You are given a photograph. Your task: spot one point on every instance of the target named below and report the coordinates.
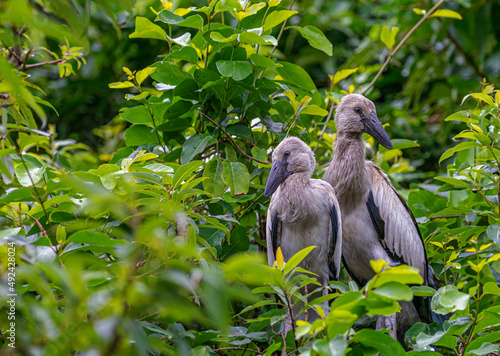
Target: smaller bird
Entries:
(303, 212)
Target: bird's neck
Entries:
(347, 172)
(295, 193)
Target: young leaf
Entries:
(296, 259)
(389, 36)
(447, 13)
(277, 17)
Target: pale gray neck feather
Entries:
(347, 172)
(296, 199)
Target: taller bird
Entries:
(303, 212)
(376, 221)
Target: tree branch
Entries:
(401, 43)
(234, 143)
(36, 65)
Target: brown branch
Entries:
(401, 43)
(36, 65)
(234, 143)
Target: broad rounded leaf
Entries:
(214, 184)
(238, 70)
(194, 145)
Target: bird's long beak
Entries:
(278, 174)
(374, 128)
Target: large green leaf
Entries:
(238, 70)
(194, 145)
(277, 17)
(385, 344)
(295, 75)
(449, 299)
(137, 135)
(316, 38)
(235, 174)
(136, 115)
(144, 28)
(30, 172)
(214, 183)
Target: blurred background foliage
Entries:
(138, 223)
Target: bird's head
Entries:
(357, 114)
(290, 157)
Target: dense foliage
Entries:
(152, 240)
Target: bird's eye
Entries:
(358, 110)
(286, 154)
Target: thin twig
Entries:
(401, 43)
(36, 65)
(231, 139)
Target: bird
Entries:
(377, 223)
(303, 212)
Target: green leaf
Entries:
(9, 232)
(214, 184)
(187, 54)
(394, 290)
(491, 288)
(334, 347)
(481, 97)
(194, 145)
(342, 74)
(493, 232)
(446, 13)
(143, 74)
(183, 173)
(23, 173)
(402, 274)
(144, 28)
(261, 61)
(178, 109)
(453, 181)
(136, 115)
(239, 242)
(462, 116)
(167, 73)
(486, 348)
(296, 75)
(169, 17)
(93, 238)
(137, 135)
(460, 147)
(121, 85)
(448, 299)
(238, 70)
(296, 259)
(235, 174)
(423, 291)
(388, 37)
(314, 110)
(316, 38)
(385, 344)
(188, 89)
(276, 17)
(252, 38)
(401, 143)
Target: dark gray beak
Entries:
(278, 174)
(374, 128)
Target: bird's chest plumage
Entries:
(297, 236)
(360, 243)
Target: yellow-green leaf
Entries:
(446, 13)
(389, 36)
